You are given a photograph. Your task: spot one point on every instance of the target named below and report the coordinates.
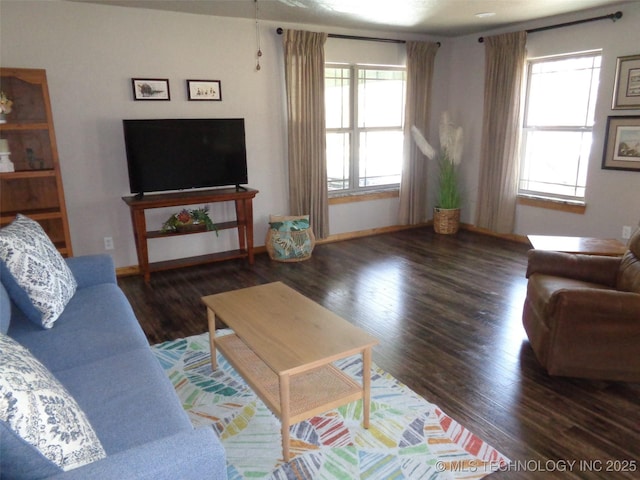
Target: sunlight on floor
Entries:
(503, 364)
(377, 293)
(513, 331)
(384, 287)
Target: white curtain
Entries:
(413, 183)
(505, 57)
(304, 76)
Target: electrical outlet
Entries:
(626, 232)
(108, 243)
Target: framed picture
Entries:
(622, 144)
(150, 89)
(627, 85)
(209, 90)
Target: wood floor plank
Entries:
(447, 310)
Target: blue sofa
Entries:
(98, 351)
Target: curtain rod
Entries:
(611, 16)
(280, 31)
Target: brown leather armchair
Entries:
(582, 313)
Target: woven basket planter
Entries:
(286, 241)
(446, 220)
(191, 227)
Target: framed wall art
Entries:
(150, 89)
(208, 90)
(627, 84)
(622, 144)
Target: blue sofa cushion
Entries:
(42, 412)
(33, 271)
(90, 270)
(130, 403)
(97, 323)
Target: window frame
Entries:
(583, 162)
(353, 130)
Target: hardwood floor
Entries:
(447, 310)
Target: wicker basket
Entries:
(289, 245)
(446, 220)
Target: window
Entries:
(364, 127)
(559, 114)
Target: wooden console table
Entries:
(243, 199)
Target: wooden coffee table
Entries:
(283, 345)
(583, 245)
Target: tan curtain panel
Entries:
(505, 57)
(413, 184)
(304, 77)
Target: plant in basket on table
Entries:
(193, 220)
(446, 213)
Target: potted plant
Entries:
(446, 213)
(5, 106)
(189, 221)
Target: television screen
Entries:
(179, 154)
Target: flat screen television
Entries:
(180, 154)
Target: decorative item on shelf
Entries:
(185, 221)
(34, 162)
(446, 213)
(5, 106)
(289, 238)
(6, 165)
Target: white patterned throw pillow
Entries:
(44, 283)
(42, 412)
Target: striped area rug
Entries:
(409, 438)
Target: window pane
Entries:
(560, 106)
(380, 98)
(555, 162)
(593, 95)
(380, 158)
(365, 113)
(338, 147)
(562, 92)
(337, 81)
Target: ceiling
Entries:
(447, 18)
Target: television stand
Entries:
(243, 200)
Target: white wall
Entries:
(613, 197)
(91, 52)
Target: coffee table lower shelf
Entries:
(310, 393)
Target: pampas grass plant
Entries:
(449, 159)
(448, 193)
